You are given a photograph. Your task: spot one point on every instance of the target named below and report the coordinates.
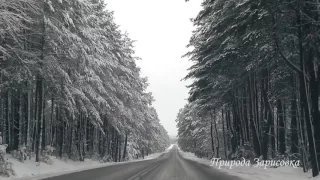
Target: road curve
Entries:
(169, 166)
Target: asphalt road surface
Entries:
(169, 166)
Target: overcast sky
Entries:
(162, 29)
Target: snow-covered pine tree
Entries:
(70, 83)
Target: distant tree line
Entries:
(255, 83)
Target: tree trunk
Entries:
(216, 132)
(125, 147)
(269, 119)
(224, 134)
(116, 149)
(254, 128)
(2, 119)
(61, 133)
(9, 121)
(282, 143)
(211, 134)
(40, 117)
(44, 124)
(303, 53)
(28, 111)
(20, 118)
(294, 127)
(52, 124)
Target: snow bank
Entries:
(257, 173)
(151, 156)
(170, 147)
(33, 170)
(193, 157)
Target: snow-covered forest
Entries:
(70, 86)
(255, 90)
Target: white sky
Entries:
(162, 29)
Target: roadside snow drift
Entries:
(257, 173)
(33, 170)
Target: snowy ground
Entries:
(32, 170)
(169, 148)
(258, 173)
